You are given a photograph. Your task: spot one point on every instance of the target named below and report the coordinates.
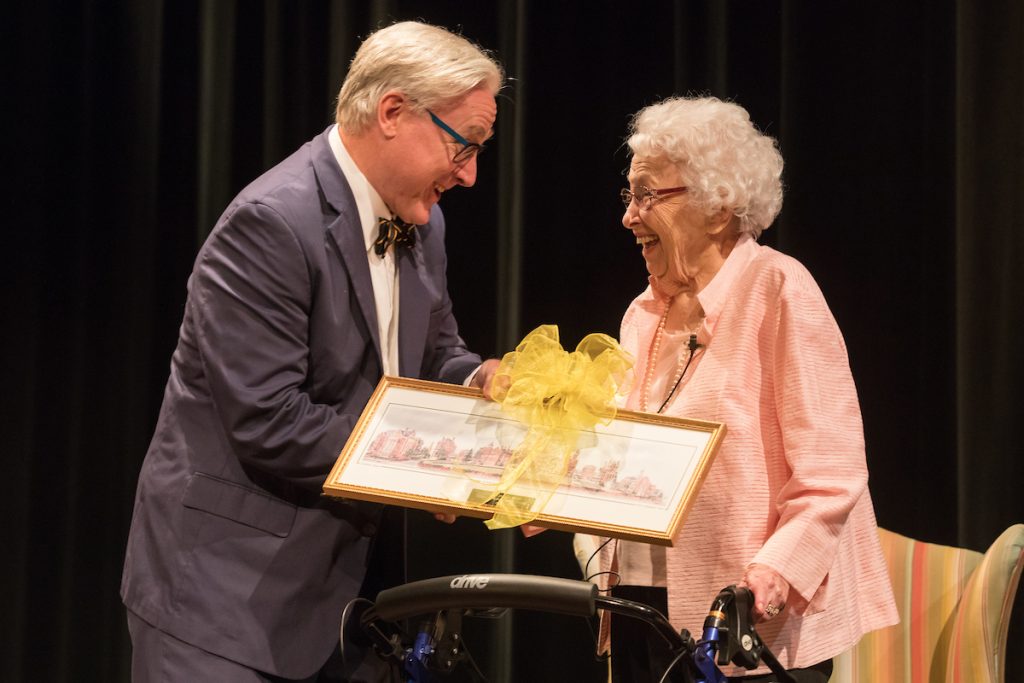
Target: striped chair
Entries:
(954, 609)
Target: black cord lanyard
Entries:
(693, 349)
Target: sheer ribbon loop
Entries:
(557, 394)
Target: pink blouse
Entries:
(788, 487)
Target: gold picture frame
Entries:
(441, 447)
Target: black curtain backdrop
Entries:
(130, 125)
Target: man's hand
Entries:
(484, 378)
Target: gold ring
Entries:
(771, 610)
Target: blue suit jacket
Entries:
(231, 548)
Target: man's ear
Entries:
(390, 108)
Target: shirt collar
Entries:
(368, 202)
(715, 294)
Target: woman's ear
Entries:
(719, 221)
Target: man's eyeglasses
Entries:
(468, 149)
(645, 196)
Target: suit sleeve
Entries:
(822, 434)
(251, 296)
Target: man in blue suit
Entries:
(301, 298)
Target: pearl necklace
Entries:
(652, 361)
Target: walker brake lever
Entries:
(740, 644)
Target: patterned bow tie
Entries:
(393, 231)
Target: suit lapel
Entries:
(346, 232)
(413, 311)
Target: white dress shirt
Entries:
(382, 268)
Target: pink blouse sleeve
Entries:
(823, 467)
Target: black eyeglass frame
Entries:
(468, 149)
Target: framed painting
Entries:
(443, 448)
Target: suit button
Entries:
(368, 529)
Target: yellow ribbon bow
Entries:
(557, 395)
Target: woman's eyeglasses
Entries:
(646, 196)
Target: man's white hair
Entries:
(431, 66)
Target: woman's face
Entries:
(672, 233)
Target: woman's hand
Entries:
(770, 591)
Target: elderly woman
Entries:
(732, 331)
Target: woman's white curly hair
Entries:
(724, 160)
